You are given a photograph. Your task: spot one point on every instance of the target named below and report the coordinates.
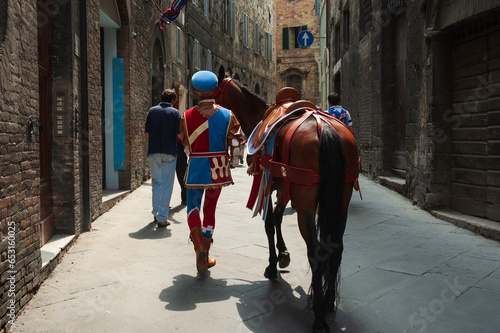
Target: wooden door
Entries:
(47, 223)
(475, 135)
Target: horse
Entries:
(322, 146)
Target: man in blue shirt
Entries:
(162, 129)
(338, 111)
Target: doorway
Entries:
(47, 220)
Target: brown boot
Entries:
(201, 254)
(206, 245)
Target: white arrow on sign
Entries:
(305, 38)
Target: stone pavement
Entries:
(403, 270)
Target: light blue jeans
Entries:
(162, 179)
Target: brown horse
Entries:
(322, 146)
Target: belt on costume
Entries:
(208, 154)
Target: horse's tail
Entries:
(325, 252)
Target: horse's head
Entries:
(247, 106)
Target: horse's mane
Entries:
(246, 91)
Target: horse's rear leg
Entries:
(271, 271)
(283, 255)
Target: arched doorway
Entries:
(157, 73)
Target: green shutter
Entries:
(286, 39)
(304, 27)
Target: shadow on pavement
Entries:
(263, 306)
(150, 231)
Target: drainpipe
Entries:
(84, 114)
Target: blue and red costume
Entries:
(207, 130)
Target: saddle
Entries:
(276, 115)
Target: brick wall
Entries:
(19, 153)
(19, 163)
(142, 19)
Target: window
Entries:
(290, 35)
(196, 54)
(209, 60)
(225, 16)
(3, 20)
(206, 8)
(294, 81)
(232, 14)
(256, 38)
(264, 48)
(346, 33)
(257, 89)
(337, 42)
(365, 17)
(178, 43)
(245, 30)
(270, 47)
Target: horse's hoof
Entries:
(284, 259)
(271, 273)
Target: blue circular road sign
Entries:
(305, 38)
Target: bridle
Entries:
(218, 93)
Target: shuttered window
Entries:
(232, 11)
(209, 60)
(270, 47)
(206, 8)
(178, 43)
(256, 38)
(246, 30)
(290, 35)
(196, 54)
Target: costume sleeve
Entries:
(183, 135)
(234, 130)
(234, 138)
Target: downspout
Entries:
(84, 114)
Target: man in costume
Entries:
(208, 131)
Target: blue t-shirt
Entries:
(162, 124)
(341, 114)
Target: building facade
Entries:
(76, 83)
(296, 65)
(237, 35)
(420, 79)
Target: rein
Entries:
(218, 93)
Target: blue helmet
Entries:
(204, 81)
